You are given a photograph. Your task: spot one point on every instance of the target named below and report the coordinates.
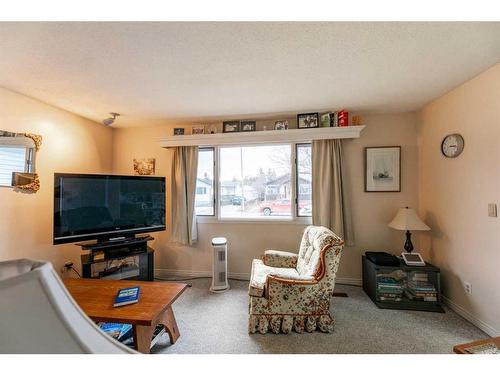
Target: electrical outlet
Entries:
(468, 288)
(492, 210)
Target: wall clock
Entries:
(452, 145)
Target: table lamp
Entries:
(407, 219)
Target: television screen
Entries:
(106, 206)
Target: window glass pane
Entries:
(304, 178)
(204, 200)
(255, 182)
(12, 159)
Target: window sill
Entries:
(268, 221)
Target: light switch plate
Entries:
(492, 210)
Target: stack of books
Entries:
(118, 331)
(389, 288)
(420, 289)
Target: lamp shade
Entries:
(407, 219)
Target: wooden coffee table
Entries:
(96, 298)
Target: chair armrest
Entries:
(281, 259)
(275, 285)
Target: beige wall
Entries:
(371, 211)
(73, 144)
(70, 144)
(454, 195)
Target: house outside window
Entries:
(261, 182)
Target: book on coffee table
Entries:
(127, 296)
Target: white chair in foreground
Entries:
(38, 315)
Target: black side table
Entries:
(403, 287)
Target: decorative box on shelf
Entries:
(403, 287)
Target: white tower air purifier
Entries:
(219, 265)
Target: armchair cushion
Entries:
(260, 272)
(314, 240)
(276, 258)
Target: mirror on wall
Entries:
(18, 160)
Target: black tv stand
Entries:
(103, 252)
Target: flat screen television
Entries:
(104, 207)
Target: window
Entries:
(205, 193)
(304, 178)
(254, 182)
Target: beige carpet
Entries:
(217, 323)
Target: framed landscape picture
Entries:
(383, 169)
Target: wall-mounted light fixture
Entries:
(110, 120)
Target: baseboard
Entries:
(161, 272)
(486, 328)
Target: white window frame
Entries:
(214, 184)
(296, 146)
(294, 219)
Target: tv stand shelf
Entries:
(105, 245)
(101, 255)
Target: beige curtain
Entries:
(183, 190)
(330, 201)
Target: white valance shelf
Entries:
(259, 137)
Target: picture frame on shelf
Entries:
(325, 120)
(383, 169)
(308, 120)
(198, 129)
(281, 125)
(248, 126)
(178, 131)
(230, 126)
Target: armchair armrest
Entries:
(282, 259)
(276, 285)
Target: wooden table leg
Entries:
(142, 338)
(168, 320)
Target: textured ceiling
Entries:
(173, 72)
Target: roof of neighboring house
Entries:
(286, 179)
(206, 181)
(230, 183)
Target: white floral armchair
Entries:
(293, 291)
